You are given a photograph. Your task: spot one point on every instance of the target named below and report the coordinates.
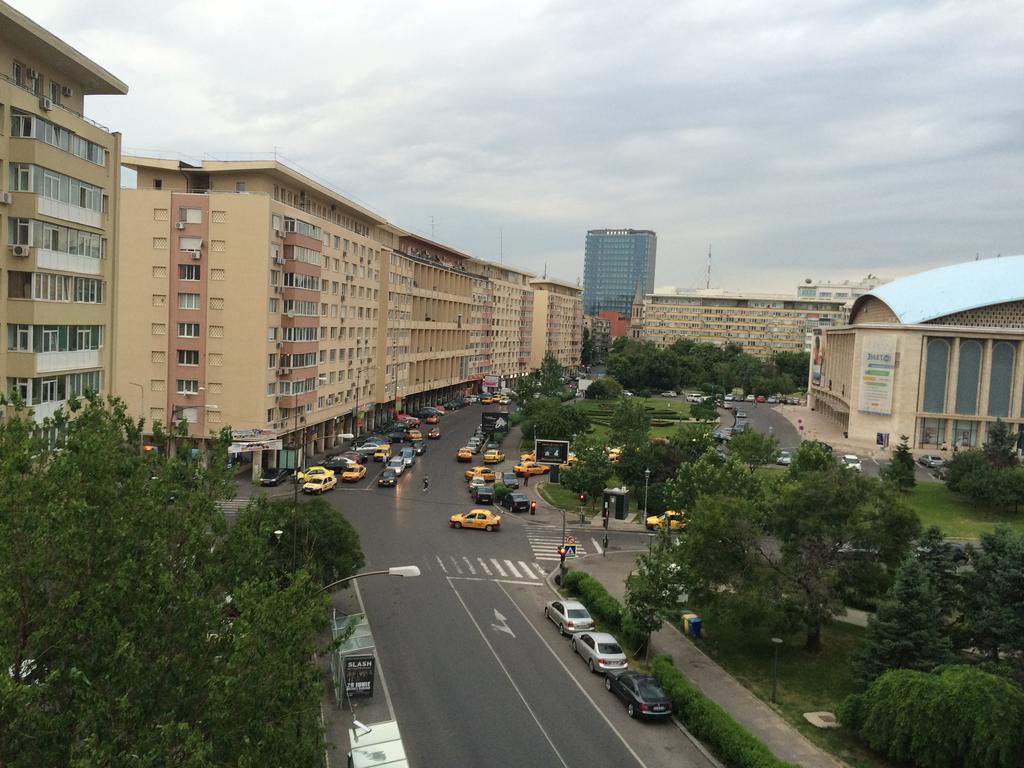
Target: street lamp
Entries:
(647, 480)
(405, 571)
(776, 641)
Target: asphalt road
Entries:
(475, 674)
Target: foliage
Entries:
(586, 347)
(792, 364)
(704, 411)
(990, 476)
(630, 423)
(936, 557)
(900, 471)
(993, 608)
(959, 715)
(653, 589)
(692, 441)
(608, 612)
(550, 376)
(753, 448)
(710, 475)
(811, 456)
(962, 465)
(604, 388)
(729, 740)
(526, 389)
(134, 633)
(501, 491)
(553, 421)
(591, 472)
(1000, 445)
(908, 630)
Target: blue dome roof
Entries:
(946, 290)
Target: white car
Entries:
(669, 393)
(852, 462)
(397, 464)
(785, 458)
(599, 650)
(570, 616)
(728, 398)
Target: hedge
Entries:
(605, 608)
(729, 740)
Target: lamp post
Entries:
(405, 571)
(776, 641)
(142, 411)
(647, 481)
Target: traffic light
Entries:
(533, 507)
(561, 554)
(583, 498)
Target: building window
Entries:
(188, 301)
(936, 370)
(158, 183)
(188, 357)
(968, 374)
(965, 433)
(188, 272)
(1001, 378)
(239, 186)
(188, 386)
(188, 330)
(190, 216)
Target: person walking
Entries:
(426, 483)
(526, 479)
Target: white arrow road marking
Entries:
(502, 625)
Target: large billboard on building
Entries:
(877, 374)
(817, 355)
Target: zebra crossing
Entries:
(545, 541)
(490, 568)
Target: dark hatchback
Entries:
(276, 476)
(641, 693)
(338, 463)
(510, 479)
(388, 478)
(419, 446)
(484, 494)
(398, 436)
(516, 502)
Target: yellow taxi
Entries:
(489, 401)
(464, 454)
(485, 472)
(313, 472)
(414, 434)
(527, 457)
(614, 454)
(493, 456)
(476, 518)
(353, 474)
(676, 521)
(531, 468)
(571, 461)
(383, 453)
(320, 484)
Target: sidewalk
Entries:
(759, 718)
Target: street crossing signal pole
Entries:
(604, 522)
(561, 563)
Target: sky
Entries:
(824, 139)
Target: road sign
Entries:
(494, 421)
(570, 550)
(570, 539)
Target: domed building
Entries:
(937, 356)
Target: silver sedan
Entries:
(568, 615)
(599, 650)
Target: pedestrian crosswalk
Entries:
(490, 568)
(233, 506)
(545, 541)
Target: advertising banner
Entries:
(494, 421)
(817, 355)
(552, 451)
(359, 675)
(490, 381)
(261, 445)
(877, 374)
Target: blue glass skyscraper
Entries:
(616, 264)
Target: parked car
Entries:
(397, 436)
(931, 461)
(772, 401)
(388, 478)
(397, 464)
(568, 615)
(741, 415)
(728, 398)
(516, 502)
(420, 446)
(320, 484)
(599, 650)
(275, 475)
(370, 447)
(476, 518)
(760, 399)
(850, 461)
(750, 398)
(510, 480)
(670, 393)
(784, 459)
(483, 494)
(382, 453)
(641, 693)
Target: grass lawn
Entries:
(806, 682)
(956, 515)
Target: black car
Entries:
(516, 502)
(387, 478)
(420, 446)
(276, 475)
(338, 463)
(510, 479)
(641, 693)
(358, 458)
(484, 494)
(398, 436)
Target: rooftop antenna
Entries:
(431, 227)
(707, 281)
(545, 271)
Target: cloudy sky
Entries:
(823, 139)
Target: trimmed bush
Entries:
(729, 740)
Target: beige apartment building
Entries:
(557, 322)
(60, 201)
(507, 316)
(760, 323)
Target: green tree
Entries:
(709, 475)
(553, 421)
(754, 448)
(900, 471)
(591, 472)
(704, 410)
(692, 441)
(586, 347)
(550, 376)
(936, 557)
(908, 631)
(1000, 445)
(653, 589)
(811, 456)
(795, 365)
(630, 423)
(604, 388)
(962, 465)
(526, 389)
(993, 606)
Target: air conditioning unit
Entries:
(286, 371)
(45, 104)
(179, 225)
(197, 255)
(280, 233)
(280, 344)
(280, 371)
(5, 198)
(67, 91)
(21, 250)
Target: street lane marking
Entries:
(512, 569)
(472, 570)
(529, 571)
(483, 566)
(597, 547)
(498, 568)
(455, 564)
(496, 581)
(502, 625)
(570, 674)
(441, 563)
(504, 669)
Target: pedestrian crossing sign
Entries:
(570, 550)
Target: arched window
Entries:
(1001, 378)
(937, 367)
(968, 373)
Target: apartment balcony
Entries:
(68, 262)
(58, 210)
(50, 362)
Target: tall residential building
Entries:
(259, 298)
(618, 263)
(600, 329)
(57, 245)
(557, 322)
(508, 319)
(761, 323)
